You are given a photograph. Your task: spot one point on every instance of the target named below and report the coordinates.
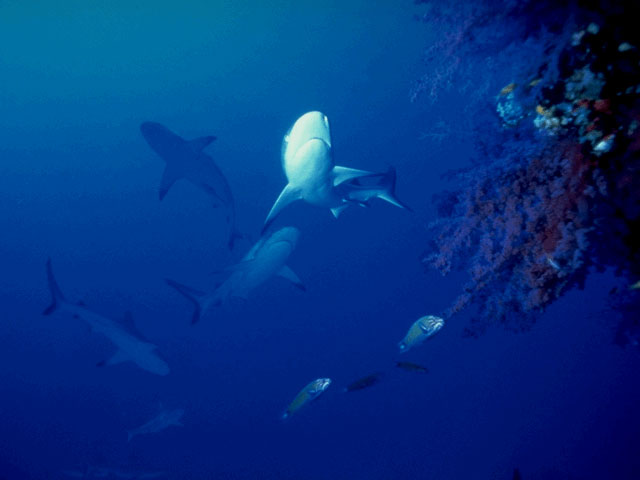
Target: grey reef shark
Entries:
(92, 472)
(265, 259)
(312, 176)
(163, 420)
(186, 159)
(362, 190)
(130, 344)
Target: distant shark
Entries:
(265, 259)
(186, 159)
(163, 420)
(105, 473)
(308, 164)
(129, 343)
(362, 190)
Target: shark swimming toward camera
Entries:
(307, 161)
(162, 421)
(362, 190)
(130, 345)
(186, 159)
(266, 258)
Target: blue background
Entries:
(79, 183)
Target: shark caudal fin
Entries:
(191, 294)
(56, 294)
(389, 192)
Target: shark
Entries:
(307, 160)
(186, 159)
(363, 189)
(89, 472)
(130, 344)
(162, 421)
(265, 259)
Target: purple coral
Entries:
(520, 233)
(551, 196)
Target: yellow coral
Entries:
(542, 111)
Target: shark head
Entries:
(309, 126)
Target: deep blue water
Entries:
(79, 184)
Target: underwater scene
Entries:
(320, 240)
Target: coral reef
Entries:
(555, 188)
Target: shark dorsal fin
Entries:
(130, 325)
(199, 144)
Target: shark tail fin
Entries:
(389, 194)
(194, 296)
(56, 294)
(130, 435)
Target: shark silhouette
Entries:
(265, 259)
(131, 347)
(186, 159)
(307, 161)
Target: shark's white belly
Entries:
(310, 171)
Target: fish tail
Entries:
(194, 296)
(130, 435)
(56, 294)
(390, 190)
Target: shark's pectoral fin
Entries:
(199, 144)
(118, 357)
(170, 175)
(288, 195)
(343, 174)
(338, 210)
(286, 272)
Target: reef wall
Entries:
(554, 190)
